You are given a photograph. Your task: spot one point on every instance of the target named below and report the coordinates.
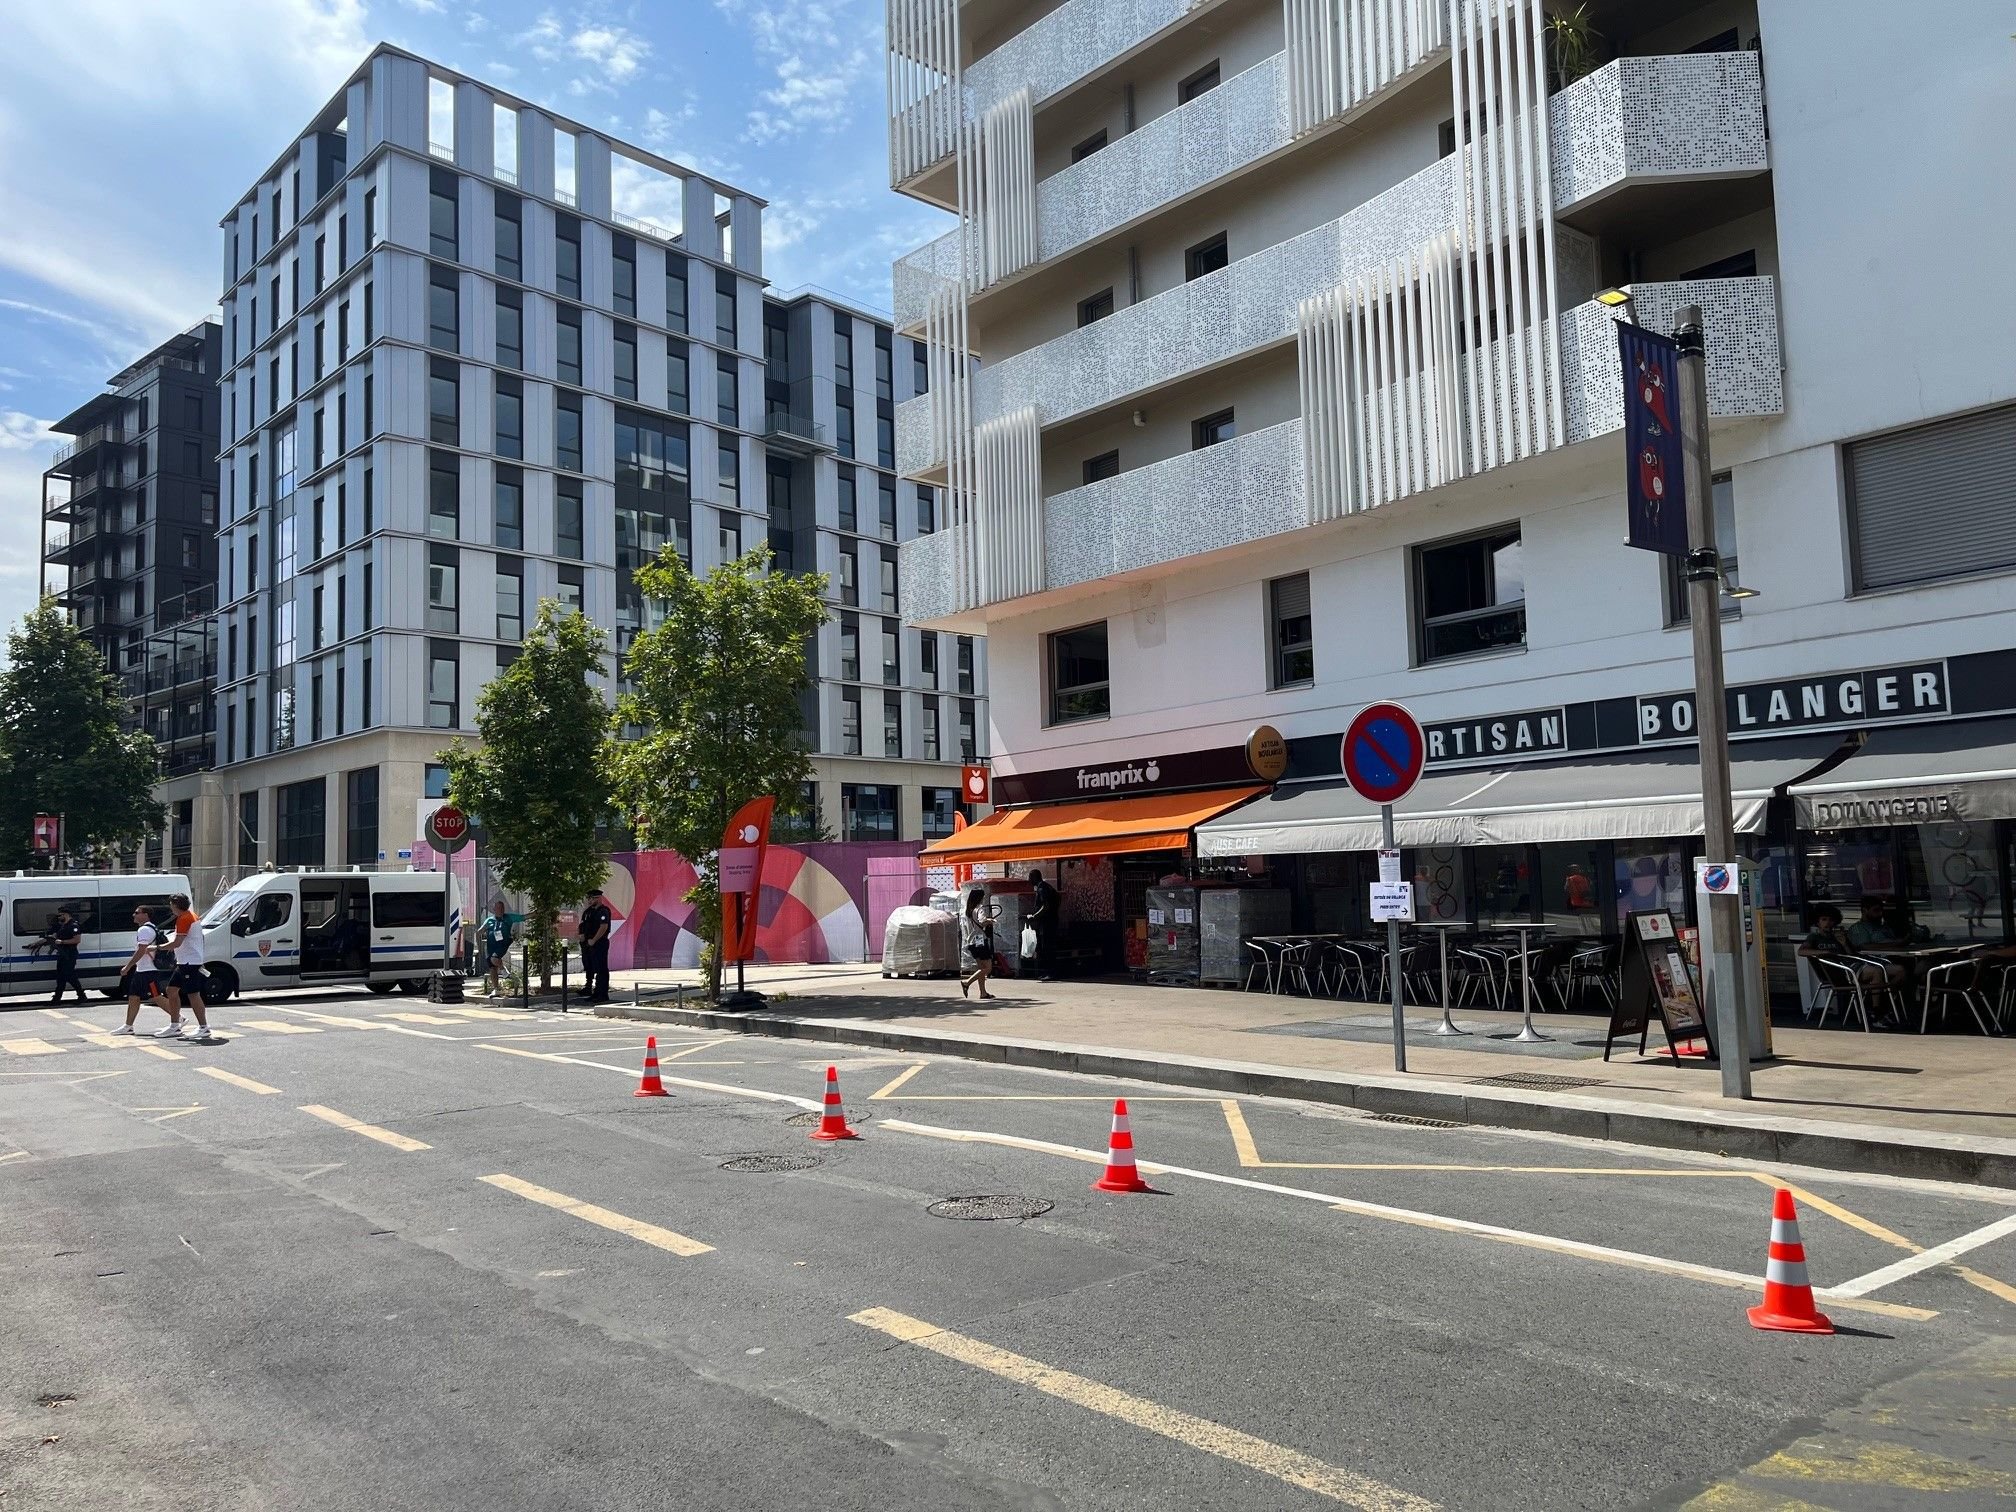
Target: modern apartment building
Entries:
(1268, 378)
(478, 355)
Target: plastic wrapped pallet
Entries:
(1230, 916)
(1172, 936)
(920, 942)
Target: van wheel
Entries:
(413, 986)
(381, 988)
(223, 986)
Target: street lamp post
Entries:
(1723, 940)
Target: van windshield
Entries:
(227, 906)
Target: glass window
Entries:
(572, 595)
(444, 403)
(940, 805)
(441, 237)
(724, 307)
(850, 722)
(360, 817)
(1470, 595)
(567, 339)
(920, 367)
(623, 260)
(868, 811)
(927, 510)
(567, 255)
(1078, 674)
(892, 651)
(843, 429)
(1097, 308)
(1294, 647)
(927, 657)
(444, 329)
(510, 329)
(728, 473)
(728, 403)
(729, 531)
(675, 291)
(965, 661)
(885, 496)
(885, 441)
(444, 493)
(443, 690)
(1724, 494)
(1094, 143)
(248, 827)
(969, 740)
(892, 725)
(1105, 465)
(1211, 430)
(301, 814)
(678, 378)
(444, 597)
(567, 520)
(931, 742)
(885, 366)
(509, 238)
(850, 648)
(510, 501)
(1206, 257)
(626, 362)
(850, 575)
(849, 506)
(888, 579)
(510, 407)
(1199, 83)
(567, 431)
(510, 581)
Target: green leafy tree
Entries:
(537, 781)
(714, 707)
(61, 748)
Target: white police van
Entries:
(382, 930)
(102, 904)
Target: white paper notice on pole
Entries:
(1718, 877)
(1389, 866)
(1392, 900)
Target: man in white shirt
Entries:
(142, 980)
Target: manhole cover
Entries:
(770, 1163)
(55, 1399)
(1411, 1121)
(1538, 1080)
(989, 1209)
(808, 1119)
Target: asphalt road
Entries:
(366, 1253)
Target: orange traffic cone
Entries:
(833, 1123)
(1788, 1296)
(651, 1086)
(1121, 1176)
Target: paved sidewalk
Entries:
(1933, 1105)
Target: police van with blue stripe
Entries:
(380, 930)
(101, 903)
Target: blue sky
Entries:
(128, 128)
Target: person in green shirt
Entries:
(1872, 928)
(496, 943)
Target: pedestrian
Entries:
(496, 943)
(141, 979)
(977, 935)
(65, 937)
(1043, 918)
(183, 951)
(594, 931)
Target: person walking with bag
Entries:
(977, 936)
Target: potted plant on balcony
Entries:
(1575, 48)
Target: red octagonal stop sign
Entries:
(448, 828)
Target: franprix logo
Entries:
(747, 834)
(1107, 779)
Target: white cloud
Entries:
(616, 52)
(19, 432)
(824, 54)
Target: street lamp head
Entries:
(1614, 297)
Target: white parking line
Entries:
(1911, 1265)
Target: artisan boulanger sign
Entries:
(1838, 698)
(1535, 731)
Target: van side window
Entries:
(407, 910)
(270, 911)
(115, 911)
(33, 916)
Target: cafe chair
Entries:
(1262, 966)
(1480, 972)
(1293, 967)
(1951, 979)
(1840, 986)
(1594, 969)
(1550, 970)
(1353, 969)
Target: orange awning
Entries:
(1102, 827)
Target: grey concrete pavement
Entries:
(253, 1306)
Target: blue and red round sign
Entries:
(1383, 752)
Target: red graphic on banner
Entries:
(741, 868)
(46, 837)
(975, 785)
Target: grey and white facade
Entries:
(477, 355)
(1268, 378)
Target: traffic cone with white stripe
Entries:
(1121, 1175)
(1788, 1296)
(833, 1122)
(651, 1086)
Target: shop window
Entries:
(1097, 308)
(1935, 501)
(301, 810)
(1291, 631)
(1470, 595)
(1078, 675)
(1725, 542)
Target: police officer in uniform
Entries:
(595, 921)
(65, 936)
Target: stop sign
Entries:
(448, 828)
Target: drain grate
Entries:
(1537, 1080)
(808, 1119)
(1413, 1122)
(768, 1163)
(989, 1209)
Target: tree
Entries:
(715, 694)
(61, 748)
(537, 781)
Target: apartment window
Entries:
(315, 617)
(1736, 265)
(510, 329)
(510, 581)
(443, 326)
(1094, 143)
(868, 811)
(931, 750)
(626, 362)
(567, 255)
(369, 521)
(444, 696)
(850, 722)
(724, 307)
(920, 367)
(248, 820)
(315, 702)
(885, 367)
(1936, 501)
(927, 657)
(1206, 257)
(1199, 83)
(728, 530)
(370, 315)
(301, 815)
(370, 428)
(892, 651)
(652, 453)
(360, 817)
(849, 511)
(885, 517)
(892, 725)
(850, 648)
(675, 291)
(370, 217)
(510, 238)
(888, 579)
(1677, 609)
(728, 473)
(727, 392)
(567, 431)
(510, 507)
(509, 405)
(1292, 643)
(843, 350)
(965, 663)
(441, 238)
(927, 510)
(444, 592)
(365, 613)
(623, 274)
(843, 429)
(444, 403)
(678, 378)
(567, 343)
(573, 597)
(567, 538)
(969, 727)
(850, 588)
(1098, 307)
(1212, 429)
(885, 441)
(1078, 674)
(444, 493)
(1470, 595)
(1105, 465)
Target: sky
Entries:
(129, 127)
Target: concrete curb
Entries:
(1927, 1155)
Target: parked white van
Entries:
(312, 929)
(103, 904)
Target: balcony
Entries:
(1252, 488)
(794, 435)
(68, 459)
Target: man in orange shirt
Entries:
(186, 981)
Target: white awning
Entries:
(1918, 774)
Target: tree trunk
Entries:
(542, 929)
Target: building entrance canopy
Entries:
(1917, 774)
(1103, 827)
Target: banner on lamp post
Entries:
(45, 837)
(743, 844)
(1654, 487)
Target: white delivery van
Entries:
(311, 929)
(103, 904)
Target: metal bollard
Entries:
(563, 976)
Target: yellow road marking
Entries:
(693, 1049)
(1925, 1259)
(1283, 1464)
(484, 1013)
(1734, 1498)
(1877, 1464)
(369, 1131)
(422, 1018)
(232, 1078)
(17, 1155)
(1875, 1230)
(1988, 1284)
(114, 1041)
(61, 1018)
(587, 1212)
(159, 1052)
(275, 1026)
(901, 1077)
(30, 1047)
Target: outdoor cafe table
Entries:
(1914, 959)
(1526, 1034)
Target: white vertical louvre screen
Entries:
(926, 104)
(1008, 454)
(950, 373)
(1342, 52)
(1505, 212)
(1380, 375)
(1005, 176)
